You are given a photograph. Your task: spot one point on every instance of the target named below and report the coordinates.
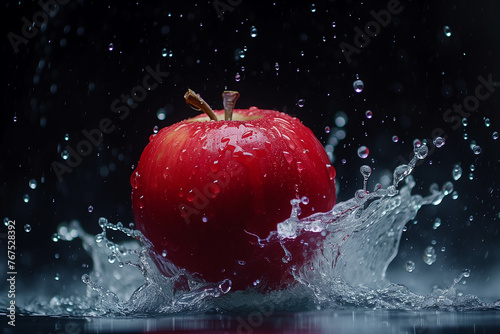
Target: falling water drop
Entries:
(111, 47)
(368, 114)
(438, 142)
(161, 114)
(487, 122)
(27, 228)
(429, 255)
(358, 86)
(33, 184)
(477, 149)
(253, 32)
(237, 77)
(327, 129)
(457, 172)
(437, 223)
(410, 266)
(301, 103)
(26, 198)
(395, 139)
(363, 152)
(90, 208)
(495, 135)
(447, 31)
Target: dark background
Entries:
(64, 79)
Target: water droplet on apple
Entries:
(288, 157)
(331, 171)
(300, 166)
(181, 156)
(190, 195)
(135, 180)
(214, 189)
(247, 134)
(215, 166)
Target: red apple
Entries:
(205, 190)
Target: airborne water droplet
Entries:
(26, 198)
(495, 135)
(237, 77)
(32, 184)
(300, 103)
(395, 139)
(447, 31)
(457, 172)
(368, 114)
(410, 266)
(358, 86)
(111, 47)
(90, 208)
(476, 149)
(437, 223)
(363, 152)
(429, 255)
(438, 142)
(253, 32)
(27, 228)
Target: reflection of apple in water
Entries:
(205, 190)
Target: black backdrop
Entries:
(66, 75)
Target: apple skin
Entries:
(204, 190)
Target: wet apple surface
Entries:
(204, 192)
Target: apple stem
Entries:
(197, 103)
(229, 98)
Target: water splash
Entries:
(360, 238)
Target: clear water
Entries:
(362, 237)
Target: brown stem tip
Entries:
(197, 103)
(229, 99)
